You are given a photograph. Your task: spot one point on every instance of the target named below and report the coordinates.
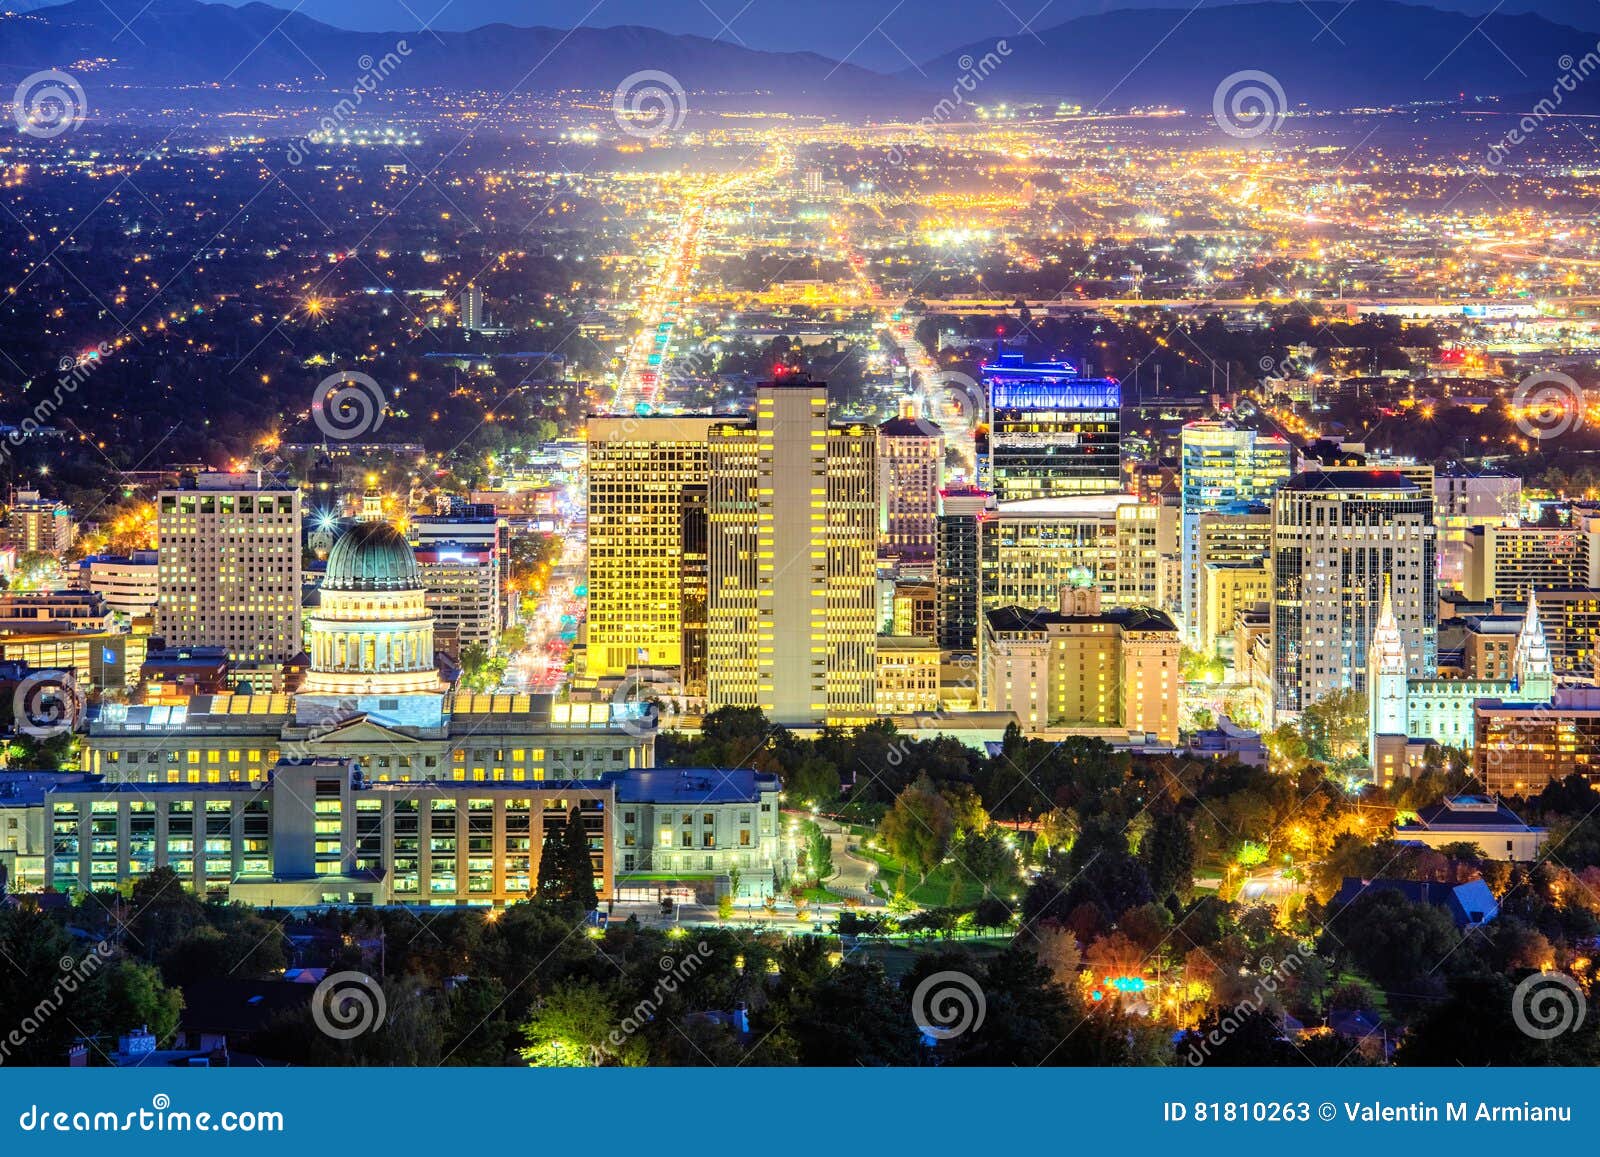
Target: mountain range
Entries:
(1323, 54)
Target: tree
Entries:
(566, 873)
(920, 826)
(575, 1025)
(579, 864)
(1335, 726)
(136, 997)
(480, 670)
(1398, 943)
(819, 851)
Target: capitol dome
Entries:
(371, 556)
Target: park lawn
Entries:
(934, 892)
(823, 896)
(897, 957)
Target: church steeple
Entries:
(1388, 709)
(1531, 665)
(1388, 655)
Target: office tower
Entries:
(37, 525)
(1338, 536)
(812, 181)
(696, 587)
(1232, 551)
(461, 586)
(1507, 562)
(1109, 542)
(130, 584)
(1051, 432)
(910, 475)
(470, 302)
(1221, 465)
(1463, 501)
(793, 545)
(229, 547)
(640, 578)
(1083, 669)
(958, 566)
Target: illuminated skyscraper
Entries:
(1338, 537)
(1052, 434)
(792, 512)
(229, 548)
(639, 472)
(910, 473)
(1222, 465)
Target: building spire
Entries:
(1531, 665)
(1388, 648)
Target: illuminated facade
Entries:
(1407, 715)
(1081, 670)
(1222, 465)
(1110, 542)
(1338, 536)
(1506, 562)
(461, 586)
(229, 549)
(639, 472)
(1052, 433)
(908, 675)
(793, 533)
(910, 475)
(371, 693)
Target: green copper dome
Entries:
(371, 556)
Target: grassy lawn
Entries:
(898, 957)
(935, 892)
(823, 896)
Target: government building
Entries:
(371, 693)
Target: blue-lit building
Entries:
(1052, 432)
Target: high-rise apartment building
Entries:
(793, 525)
(910, 475)
(1338, 536)
(1222, 465)
(1052, 433)
(229, 547)
(1232, 551)
(38, 525)
(1507, 562)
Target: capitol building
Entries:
(373, 693)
